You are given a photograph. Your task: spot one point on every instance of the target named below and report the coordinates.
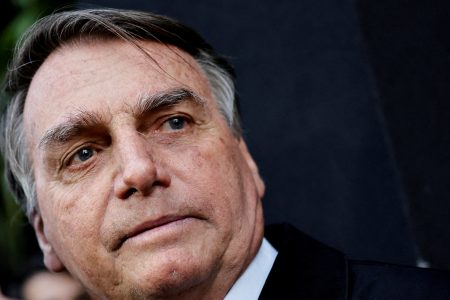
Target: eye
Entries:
(81, 156)
(175, 123)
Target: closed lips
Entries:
(149, 225)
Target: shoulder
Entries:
(371, 280)
(306, 267)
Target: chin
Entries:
(169, 278)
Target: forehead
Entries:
(105, 76)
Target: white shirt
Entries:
(250, 283)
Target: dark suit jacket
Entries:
(307, 269)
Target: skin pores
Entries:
(140, 193)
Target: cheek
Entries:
(79, 204)
(212, 177)
(72, 217)
(69, 206)
(74, 225)
(68, 221)
(206, 166)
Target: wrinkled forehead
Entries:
(107, 75)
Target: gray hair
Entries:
(54, 31)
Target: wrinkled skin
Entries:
(163, 203)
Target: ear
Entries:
(51, 259)
(260, 186)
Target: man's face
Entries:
(141, 186)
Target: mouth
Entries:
(153, 225)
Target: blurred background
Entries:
(19, 252)
(345, 107)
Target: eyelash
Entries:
(186, 119)
(68, 163)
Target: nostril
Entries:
(130, 192)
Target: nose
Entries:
(138, 171)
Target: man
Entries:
(122, 142)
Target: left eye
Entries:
(175, 123)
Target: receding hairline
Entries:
(49, 33)
(140, 47)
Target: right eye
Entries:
(82, 155)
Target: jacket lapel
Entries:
(304, 268)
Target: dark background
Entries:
(346, 110)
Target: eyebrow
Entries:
(148, 103)
(85, 121)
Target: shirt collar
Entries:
(251, 282)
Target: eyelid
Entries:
(187, 119)
(77, 153)
(68, 159)
(155, 123)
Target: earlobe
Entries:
(260, 186)
(51, 259)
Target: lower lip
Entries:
(169, 230)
